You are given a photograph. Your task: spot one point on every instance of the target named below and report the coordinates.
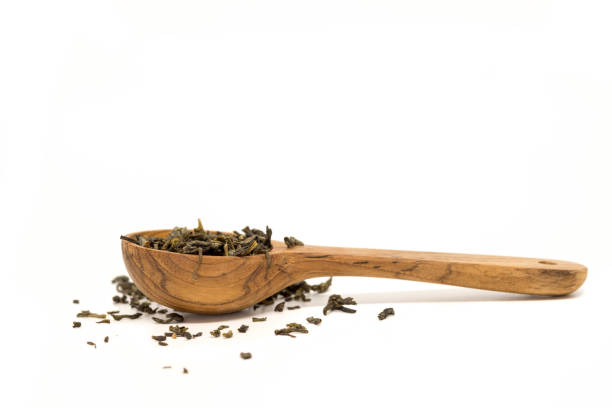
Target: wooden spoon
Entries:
(224, 284)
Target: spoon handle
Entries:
(500, 273)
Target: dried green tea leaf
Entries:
(322, 287)
(336, 302)
(245, 356)
(291, 328)
(386, 313)
(167, 367)
(185, 371)
(228, 334)
(76, 324)
(313, 320)
(158, 338)
(104, 321)
(243, 328)
(259, 319)
(180, 331)
(279, 307)
(170, 318)
(293, 307)
(91, 343)
(292, 242)
(217, 331)
(87, 313)
(75, 301)
(126, 316)
(162, 343)
(106, 339)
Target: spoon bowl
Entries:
(225, 284)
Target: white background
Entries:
(471, 126)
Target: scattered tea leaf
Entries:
(158, 338)
(217, 331)
(76, 324)
(228, 334)
(293, 307)
(75, 301)
(386, 313)
(185, 371)
(336, 302)
(106, 339)
(167, 367)
(313, 320)
(87, 313)
(162, 343)
(243, 328)
(279, 307)
(245, 356)
(170, 318)
(259, 319)
(104, 321)
(91, 343)
(291, 328)
(126, 316)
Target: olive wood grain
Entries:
(223, 284)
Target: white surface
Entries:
(469, 126)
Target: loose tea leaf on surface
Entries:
(158, 338)
(313, 320)
(75, 301)
(245, 356)
(279, 307)
(293, 307)
(386, 313)
(76, 324)
(106, 339)
(243, 328)
(162, 343)
(336, 302)
(217, 331)
(228, 334)
(291, 328)
(126, 316)
(259, 319)
(185, 371)
(170, 318)
(91, 343)
(104, 321)
(87, 313)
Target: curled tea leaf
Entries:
(243, 328)
(87, 313)
(336, 302)
(76, 324)
(245, 356)
(170, 318)
(291, 328)
(313, 320)
(386, 313)
(126, 316)
(292, 242)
